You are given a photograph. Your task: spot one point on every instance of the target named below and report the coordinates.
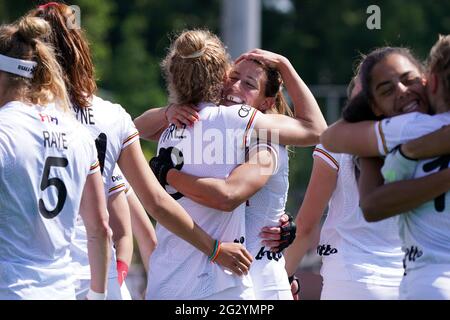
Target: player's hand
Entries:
(234, 257)
(295, 287)
(279, 238)
(180, 114)
(268, 58)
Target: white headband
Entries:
(23, 68)
(195, 54)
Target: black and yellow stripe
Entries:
(119, 186)
(134, 135)
(95, 165)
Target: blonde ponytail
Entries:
(23, 41)
(195, 67)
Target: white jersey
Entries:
(213, 147)
(392, 132)
(45, 158)
(265, 208)
(113, 130)
(117, 182)
(425, 230)
(352, 248)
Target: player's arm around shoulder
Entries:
(354, 138)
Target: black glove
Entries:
(288, 233)
(161, 165)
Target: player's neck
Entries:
(8, 96)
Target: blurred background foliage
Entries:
(323, 40)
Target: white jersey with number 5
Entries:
(213, 147)
(45, 158)
(113, 130)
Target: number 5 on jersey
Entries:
(57, 183)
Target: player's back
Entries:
(45, 157)
(112, 129)
(213, 147)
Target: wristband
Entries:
(122, 271)
(216, 246)
(92, 295)
(217, 253)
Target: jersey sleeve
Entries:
(241, 118)
(129, 132)
(397, 167)
(94, 163)
(332, 159)
(116, 183)
(395, 131)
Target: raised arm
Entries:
(152, 123)
(429, 146)
(320, 189)
(309, 122)
(171, 215)
(353, 138)
(227, 194)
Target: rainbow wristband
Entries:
(213, 254)
(217, 253)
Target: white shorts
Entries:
(352, 290)
(234, 293)
(431, 282)
(115, 292)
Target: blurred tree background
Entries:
(323, 40)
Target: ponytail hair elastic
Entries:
(49, 4)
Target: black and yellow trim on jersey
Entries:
(328, 156)
(383, 138)
(249, 125)
(119, 186)
(95, 165)
(134, 135)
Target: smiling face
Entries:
(246, 84)
(397, 87)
